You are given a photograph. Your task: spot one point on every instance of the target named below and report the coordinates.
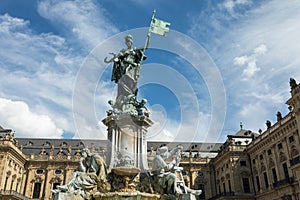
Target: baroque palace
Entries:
(248, 165)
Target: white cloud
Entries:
(230, 5)
(263, 43)
(191, 129)
(26, 123)
(250, 70)
(254, 115)
(261, 49)
(9, 24)
(40, 68)
(250, 61)
(85, 20)
(240, 60)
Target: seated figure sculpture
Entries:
(91, 175)
(166, 172)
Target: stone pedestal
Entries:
(127, 145)
(187, 197)
(66, 196)
(125, 196)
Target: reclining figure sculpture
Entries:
(90, 176)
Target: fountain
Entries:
(125, 173)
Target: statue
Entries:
(52, 150)
(268, 124)
(169, 175)
(69, 150)
(279, 116)
(125, 73)
(293, 83)
(90, 176)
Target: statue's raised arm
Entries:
(112, 59)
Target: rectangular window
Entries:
(261, 157)
(274, 175)
(55, 185)
(202, 195)
(279, 146)
(291, 139)
(257, 184)
(246, 185)
(266, 180)
(285, 171)
(36, 190)
(6, 179)
(224, 187)
(11, 185)
(269, 152)
(243, 163)
(253, 161)
(229, 185)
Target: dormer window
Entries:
(64, 144)
(80, 144)
(47, 144)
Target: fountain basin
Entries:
(125, 196)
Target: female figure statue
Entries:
(126, 72)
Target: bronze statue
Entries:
(126, 73)
(293, 83)
(268, 124)
(279, 116)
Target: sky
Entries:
(223, 62)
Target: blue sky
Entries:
(222, 63)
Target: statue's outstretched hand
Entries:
(110, 60)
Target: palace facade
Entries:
(248, 165)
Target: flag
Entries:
(159, 27)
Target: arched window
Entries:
(36, 190)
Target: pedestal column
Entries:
(127, 146)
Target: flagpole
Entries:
(147, 38)
(149, 32)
